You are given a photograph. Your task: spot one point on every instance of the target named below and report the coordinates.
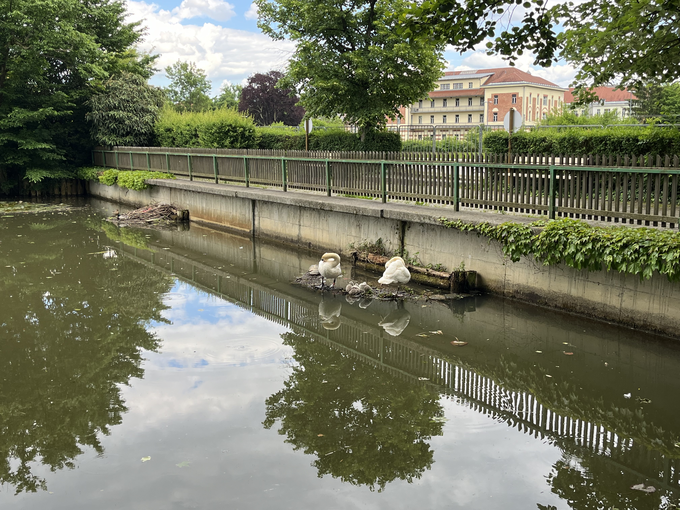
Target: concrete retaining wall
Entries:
(337, 224)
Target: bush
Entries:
(611, 141)
(331, 140)
(131, 179)
(222, 128)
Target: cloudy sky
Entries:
(222, 38)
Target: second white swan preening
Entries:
(395, 273)
(329, 267)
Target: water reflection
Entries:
(73, 328)
(363, 394)
(363, 426)
(397, 321)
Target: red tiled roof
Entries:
(606, 93)
(503, 75)
(456, 93)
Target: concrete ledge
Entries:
(339, 224)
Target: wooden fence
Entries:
(627, 189)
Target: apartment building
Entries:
(465, 99)
(609, 100)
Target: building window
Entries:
(624, 112)
(420, 119)
(469, 101)
(495, 117)
(514, 99)
(469, 84)
(457, 102)
(598, 111)
(443, 119)
(457, 119)
(420, 104)
(445, 103)
(606, 110)
(545, 115)
(481, 118)
(420, 137)
(445, 86)
(431, 119)
(443, 137)
(495, 99)
(432, 104)
(457, 86)
(481, 101)
(469, 118)
(545, 100)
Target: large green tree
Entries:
(659, 101)
(228, 97)
(348, 59)
(125, 113)
(54, 54)
(627, 43)
(189, 87)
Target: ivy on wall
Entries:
(641, 251)
(131, 179)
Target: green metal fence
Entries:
(626, 194)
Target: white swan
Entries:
(395, 323)
(329, 267)
(395, 273)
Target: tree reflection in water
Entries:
(73, 325)
(365, 426)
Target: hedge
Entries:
(328, 140)
(611, 141)
(210, 129)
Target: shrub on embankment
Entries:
(640, 251)
(610, 141)
(332, 140)
(131, 179)
(229, 129)
(223, 128)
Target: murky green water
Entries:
(180, 369)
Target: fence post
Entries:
(148, 161)
(116, 153)
(217, 180)
(104, 158)
(132, 163)
(167, 161)
(246, 172)
(434, 139)
(456, 187)
(481, 139)
(383, 182)
(328, 178)
(92, 153)
(284, 174)
(551, 203)
(191, 174)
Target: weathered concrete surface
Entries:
(336, 224)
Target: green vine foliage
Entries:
(640, 251)
(131, 179)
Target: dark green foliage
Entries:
(131, 179)
(54, 54)
(126, 112)
(640, 251)
(330, 140)
(617, 140)
(211, 129)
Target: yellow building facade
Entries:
(465, 99)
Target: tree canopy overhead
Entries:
(54, 54)
(627, 43)
(349, 60)
(267, 104)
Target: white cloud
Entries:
(252, 12)
(213, 9)
(223, 53)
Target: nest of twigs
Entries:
(151, 215)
